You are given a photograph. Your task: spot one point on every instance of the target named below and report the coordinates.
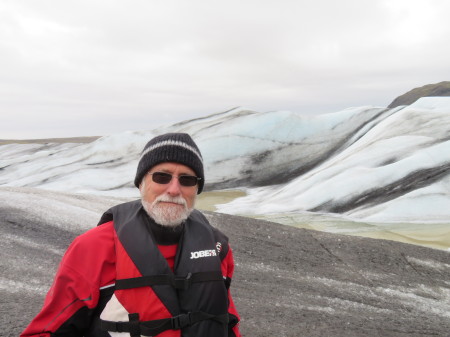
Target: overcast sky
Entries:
(90, 67)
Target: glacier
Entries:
(363, 163)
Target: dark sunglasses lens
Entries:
(188, 180)
(161, 177)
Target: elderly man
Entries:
(153, 267)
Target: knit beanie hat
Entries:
(171, 147)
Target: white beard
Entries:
(165, 214)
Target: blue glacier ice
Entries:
(366, 163)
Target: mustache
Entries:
(167, 198)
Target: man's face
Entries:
(168, 204)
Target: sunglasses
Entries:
(184, 179)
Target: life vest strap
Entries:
(155, 327)
(135, 330)
(169, 279)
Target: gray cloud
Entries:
(73, 68)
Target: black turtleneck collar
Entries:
(165, 235)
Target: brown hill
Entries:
(437, 89)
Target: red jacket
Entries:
(84, 283)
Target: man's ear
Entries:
(142, 185)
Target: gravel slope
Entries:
(288, 281)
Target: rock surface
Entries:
(288, 281)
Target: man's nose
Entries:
(174, 187)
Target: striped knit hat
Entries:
(171, 147)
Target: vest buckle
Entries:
(180, 321)
(182, 283)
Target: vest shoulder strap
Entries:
(220, 238)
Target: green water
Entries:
(434, 235)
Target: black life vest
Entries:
(149, 298)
